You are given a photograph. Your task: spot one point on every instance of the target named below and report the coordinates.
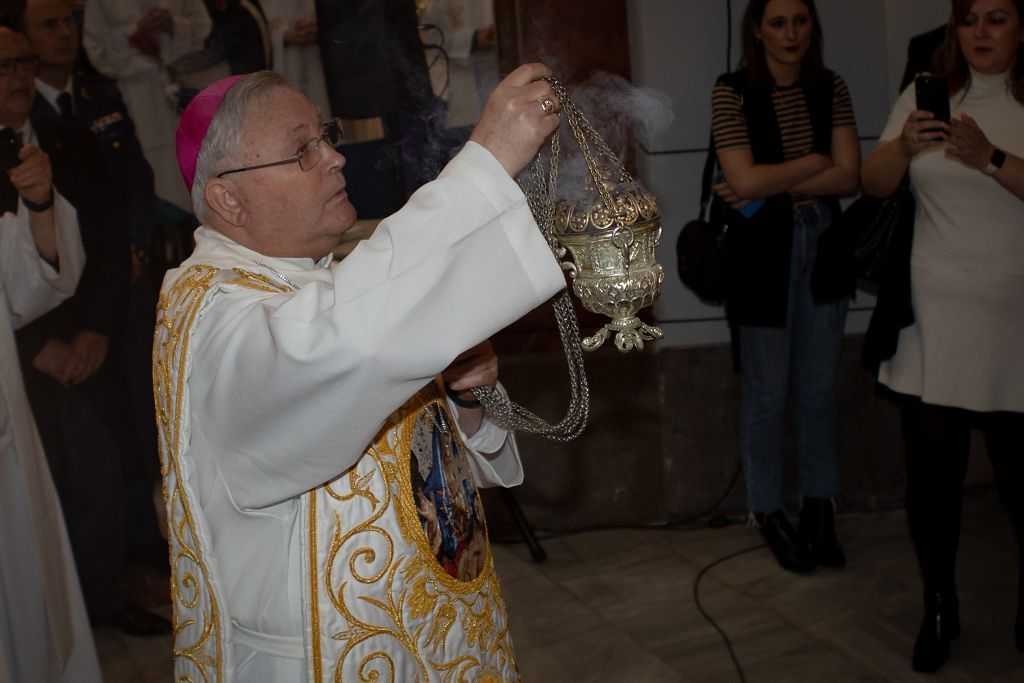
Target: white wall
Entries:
(679, 47)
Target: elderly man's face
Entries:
(18, 88)
(51, 31)
(291, 212)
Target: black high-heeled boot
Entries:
(785, 543)
(941, 624)
(1018, 625)
(818, 529)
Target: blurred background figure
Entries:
(239, 34)
(133, 41)
(375, 66)
(73, 373)
(294, 35)
(959, 366)
(462, 52)
(70, 90)
(44, 631)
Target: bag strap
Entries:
(710, 166)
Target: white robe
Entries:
(44, 631)
(300, 65)
(274, 376)
(470, 76)
(143, 80)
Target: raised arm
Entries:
(510, 127)
(298, 384)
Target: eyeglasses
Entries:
(26, 62)
(53, 23)
(307, 156)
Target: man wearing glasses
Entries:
(321, 486)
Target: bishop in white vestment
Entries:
(322, 486)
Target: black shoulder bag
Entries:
(701, 247)
(859, 242)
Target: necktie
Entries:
(64, 104)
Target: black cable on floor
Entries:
(707, 617)
(716, 520)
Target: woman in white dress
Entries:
(959, 365)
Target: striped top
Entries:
(729, 126)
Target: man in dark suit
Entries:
(924, 54)
(69, 89)
(71, 380)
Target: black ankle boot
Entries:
(941, 624)
(818, 529)
(785, 543)
(1018, 625)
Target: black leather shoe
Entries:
(136, 621)
(785, 543)
(818, 529)
(941, 624)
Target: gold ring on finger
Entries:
(547, 105)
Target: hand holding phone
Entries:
(10, 143)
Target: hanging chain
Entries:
(539, 189)
(582, 130)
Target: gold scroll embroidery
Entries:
(191, 593)
(193, 599)
(414, 602)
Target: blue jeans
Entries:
(805, 353)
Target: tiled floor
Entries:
(618, 605)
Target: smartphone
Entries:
(933, 95)
(10, 143)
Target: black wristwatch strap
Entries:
(40, 206)
(458, 400)
(998, 158)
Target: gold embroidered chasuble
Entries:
(399, 582)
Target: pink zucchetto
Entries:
(195, 121)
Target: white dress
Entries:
(143, 80)
(967, 267)
(293, 400)
(44, 631)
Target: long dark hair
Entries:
(958, 73)
(812, 69)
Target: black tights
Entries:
(938, 443)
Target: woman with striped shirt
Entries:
(787, 143)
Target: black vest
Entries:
(759, 247)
